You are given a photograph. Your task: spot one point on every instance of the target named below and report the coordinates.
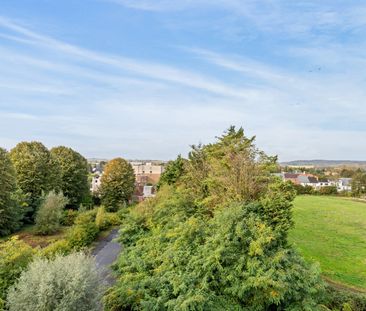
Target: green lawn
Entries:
(332, 231)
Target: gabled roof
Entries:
(290, 175)
(312, 180)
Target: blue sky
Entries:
(146, 79)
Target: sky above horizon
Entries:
(145, 79)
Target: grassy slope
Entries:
(332, 231)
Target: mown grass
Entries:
(332, 231)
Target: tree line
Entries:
(30, 171)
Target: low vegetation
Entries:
(66, 283)
(332, 231)
(15, 256)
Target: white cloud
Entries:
(108, 105)
(150, 70)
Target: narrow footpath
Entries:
(105, 254)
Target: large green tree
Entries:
(74, 174)
(11, 213)
(36, 171)
(117, 184)
(215, 238)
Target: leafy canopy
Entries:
(215, 238)
(74, 174)
(35, 170)
(117, 183)
(11, 211)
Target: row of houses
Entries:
(304, 179)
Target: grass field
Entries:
(332, 231)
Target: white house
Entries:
(95, 184)
(344, 184)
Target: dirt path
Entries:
(106, 253)
(343, 287)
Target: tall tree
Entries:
(74, 174)
(216, 239)
(36, 172)
(358, 183)
(11, 213)
(117, 184)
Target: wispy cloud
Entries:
(287, 17)
(150, 70)
(106, 104)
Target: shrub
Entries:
(49, 215)
(84, 232)
(105, 220)
(328, 190)
(68, 217)
(336, 299)
(113, 219)
(14, 258)
(61, 247)
(303, 189)
(65, 284)
(101, 219)
(86, 217)
(82, 235)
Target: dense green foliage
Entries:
(328, 190)
(300, 189)
(359, 184)
(35, 170)
(104, 220)
(11, 212)
(216, 239)
(68, 217)
(14, 258)
(50, 213)
(85, 230)
(74, 174)
(173, 171)
(332, 231)
(117, 184)
(343, 300)
(69, 283)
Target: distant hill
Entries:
(324, 163)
